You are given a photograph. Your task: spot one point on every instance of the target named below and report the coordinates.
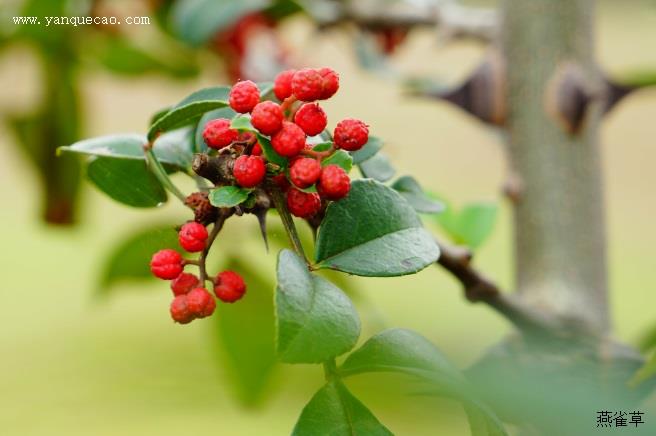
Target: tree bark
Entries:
(559, 213)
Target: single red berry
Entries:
(330, 83)
(334, 183)
(249, 171)
(304, 172)
(179, 310)
(166, 264)
(303, 204)
(218, 134)
(351, 134)
(311, 118)
(229, 286)
(282, 85)
(256, 150)
(208, 310)
(289, 141)
(184, 283)
(200, 302)
(244, 96)
(267, 117)
(192, 237)
(307, 85)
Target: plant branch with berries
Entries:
(254, 148)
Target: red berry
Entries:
(179, 310)
(256, 150)
(166, 264)
(303, 204)
(209, 307)
(304, 172)
(218, 134)
(282, 85)
(311, 118)
(330, 83)
(334, 183)
(351, 134)
(183, 283)
(307, 85)
(267, 117)
(289, 141)
(244, 96)
(229, 286)
(200, 302)
(249, 171)
(192, 237)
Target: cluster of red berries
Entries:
(288, 125)
(191, 299)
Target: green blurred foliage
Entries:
(58, 119)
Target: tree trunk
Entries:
(559, 213)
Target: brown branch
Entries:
(479, 288)
(224, 214)
(454, 20)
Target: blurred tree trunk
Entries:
(559, 212)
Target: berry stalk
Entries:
(160, 173)
(202, 259)
(287, 221)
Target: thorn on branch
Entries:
(483, 94)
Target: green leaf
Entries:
(125, 146)
(282, 9)
(484, 422)
(316, 320)
(228, 196)
(225, 112)
(341, 159)
(378, 168)
(322, 146)
(470, 226)
(269, 153)
(409, 188)
(121, 56)
(159, 114)
(385, 236)
(190, 110)
(242, 122)
(129, 259)
(196, 21)
(648, 339)
(403, 351)
(245, 334)
(126, 181)
(335, 411)
(176, 147)
(372, 147)
(173, 148)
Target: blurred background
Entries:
(80, 356)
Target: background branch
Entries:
(478, 288)
(453, 19)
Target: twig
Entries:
(287, 221)
(453, 19)
(478, 288)
(160, 173)
(218, 225)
